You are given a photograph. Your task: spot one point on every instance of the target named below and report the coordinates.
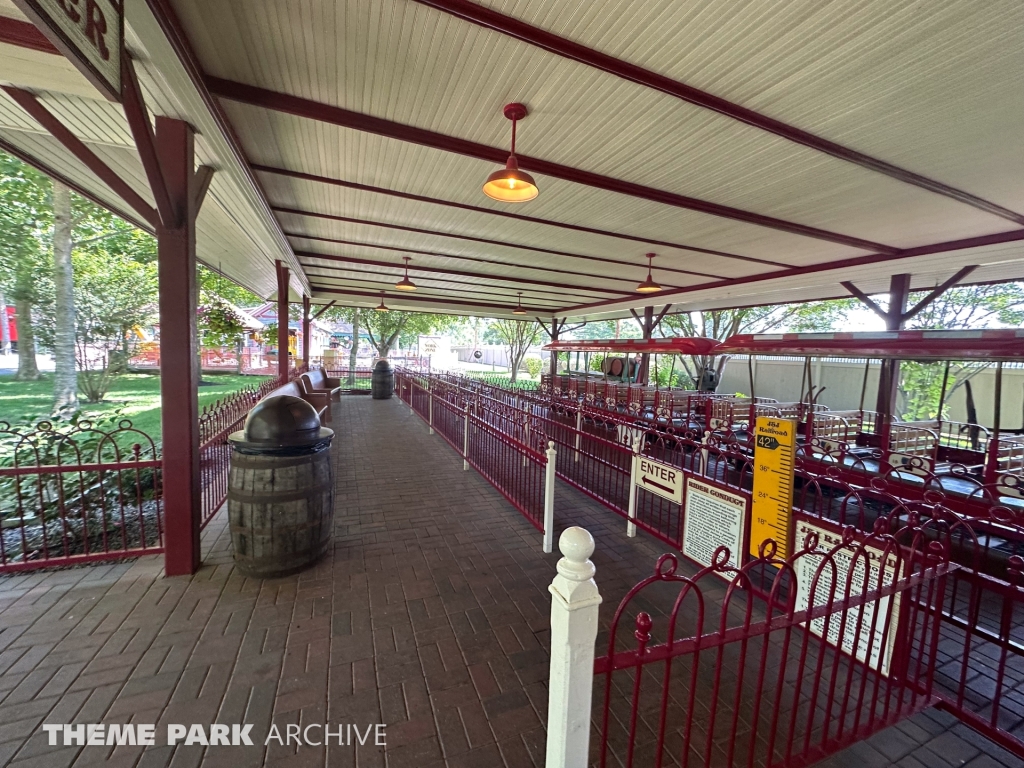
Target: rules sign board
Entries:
(663, 479)
(89, 32)
(869, 637)
(712, 517)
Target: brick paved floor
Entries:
(430, 615)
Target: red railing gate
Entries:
(729, 675)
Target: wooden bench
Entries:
(321, 401)
(317, 380)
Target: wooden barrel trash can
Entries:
(382, 382)
(280, 488)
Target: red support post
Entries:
(889, 376)
(282, 322)
(179, 364)
(305, 332)
(647, 326)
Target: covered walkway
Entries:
(431, 616)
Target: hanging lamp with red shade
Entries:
(519, 306)
(405, 284)
(648, 285)
(511, 185)
(380, 307)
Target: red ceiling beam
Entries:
(25, 35)
(322, 309)
(145, 140)
(507, 214)
(474, 259)
(405, 298)
(463, 273)
(172, 29)
(424, 281)
(326, 113)
(86, 156)
(357, 283)
(981, 241)
(472, 239)
(560, 46)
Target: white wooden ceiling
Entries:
(933, 90)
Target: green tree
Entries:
(114, 291)
(626, 328)
(214, 284)
(113, 296)
(518, 336)
(385, 329)
(973, 306)
(65, 380)
(26, 221)
(720, 324)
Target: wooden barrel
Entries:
(382, 382)
(280, 511)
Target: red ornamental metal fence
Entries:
(981, 671)
(515, 468)
(730, 678)
(83, 492)
(77, 493)
(216, 422)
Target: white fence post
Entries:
(549, 496)
(631, 509)
(465, 440)
(526, 436)
(579, 429)
(574, 607)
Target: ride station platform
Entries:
(430, 614)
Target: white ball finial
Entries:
(576, 545)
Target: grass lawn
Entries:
(136, 394)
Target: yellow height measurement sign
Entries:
(774, 443)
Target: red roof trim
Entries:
(989, 345)
(668, 346)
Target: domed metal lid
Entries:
(282, 419)
(382, 365)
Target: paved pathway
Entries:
(431, 615)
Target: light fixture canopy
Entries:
(519, 306)
(648, 285)
(511, 185)
(380, 307)
(405, 284)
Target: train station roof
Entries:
(677, 345)
(987, 345)
(765, 151)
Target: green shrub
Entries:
(533, 365)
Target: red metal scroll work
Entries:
(77, 493)
(726, 677)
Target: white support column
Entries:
(579, 429)
(526, 434)
(465, 440)
(702, 469)
(631, 509)
(575, 601)
(549, 496)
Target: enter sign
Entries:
(663, 479)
